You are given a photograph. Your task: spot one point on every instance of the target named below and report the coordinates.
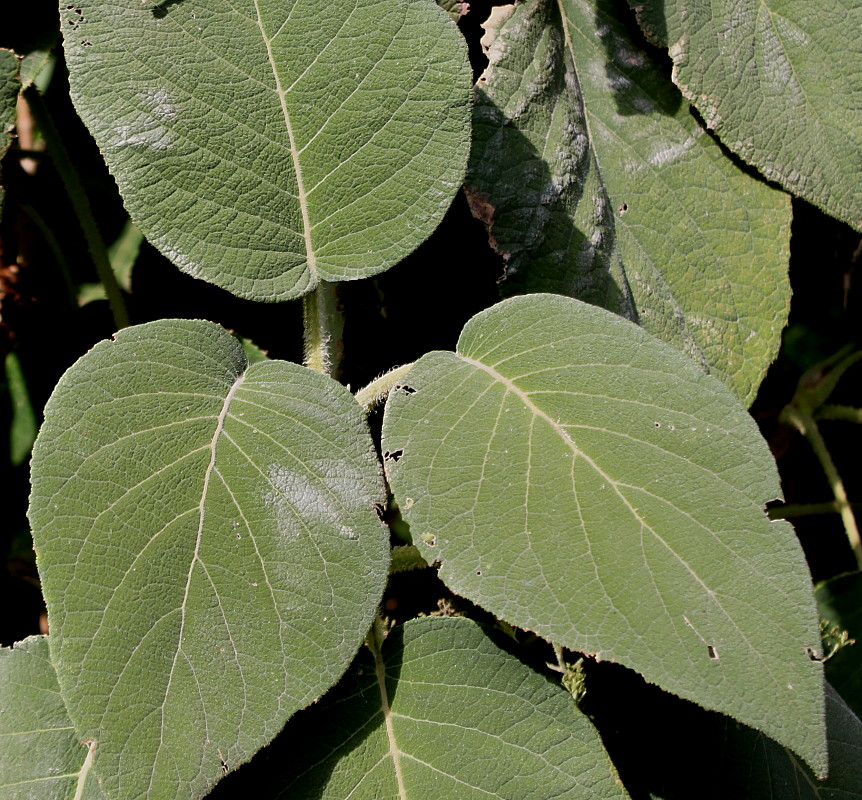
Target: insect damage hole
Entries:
(403, 387)
(812, 655)
(393, 455)
(713, 653)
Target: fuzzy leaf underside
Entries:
(208, 547)
(597, 183)
(265, 145)
(579, 478)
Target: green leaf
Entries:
(579, 478)
(208, 547)
(756, 768)
(123, 254)
(42, 757)
(840, 603)
(267, 145)
(779, 82)
(596, 182)
(440, 711)
(10, 85)
(23, 425)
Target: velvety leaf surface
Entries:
(264, 145)
(756, 768)
(597, 183)
(780, 82)
(208, 547)
(840, 603)
(10, 85)
(441, 711)
(581, 479)
(42, 757)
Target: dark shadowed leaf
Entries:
(441, 711)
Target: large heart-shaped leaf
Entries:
(42, 757)
(265, 145)
(779, 82)
(596, 182)
(439, 711)
(578, 477)
(208, 547)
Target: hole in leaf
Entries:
(713, 653)
(394, 455)
(380, 510)
(812, 655)
(623, 208)
(404, 388)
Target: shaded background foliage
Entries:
(419, 305)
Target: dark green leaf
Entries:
(440, 712)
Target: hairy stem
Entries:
(323, 322)
(378, 390)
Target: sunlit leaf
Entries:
(597, 182)
(779, 82)
(208, 547)
(579, 478)
(265, 145)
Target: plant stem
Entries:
(378, 390)
(323, 322)
(846, 413)
(806, 425)
(80, 204)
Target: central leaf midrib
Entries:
(375, 640)
(301, 194)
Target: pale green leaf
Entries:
(579, 478)
(42, 757)
(756, 768)
(441, 711)
(780, 82)
(265, 145)
(596, 182)
(208, 547)
(10, 85)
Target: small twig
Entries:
(805, 424)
